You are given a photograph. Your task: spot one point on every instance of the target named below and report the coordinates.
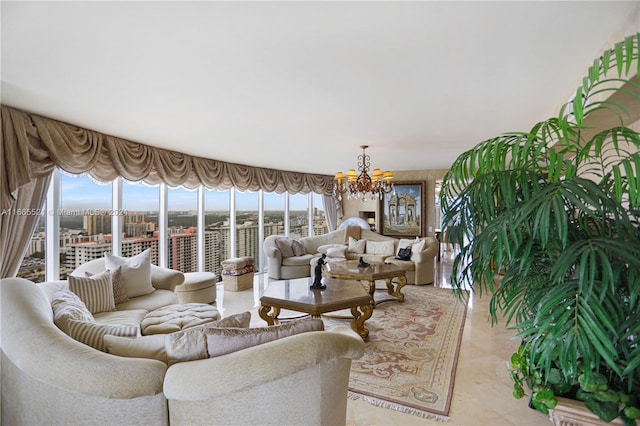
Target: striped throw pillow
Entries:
(92, 334)
(96, 291)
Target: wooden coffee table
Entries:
(349, 270)
(295, 295)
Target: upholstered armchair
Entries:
(284, 266)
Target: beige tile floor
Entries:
(482, 390)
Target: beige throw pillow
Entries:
(404, 242)
(221, 341)
(381, 248)
(95, 291)
(67, 306)
(209, 341)
(284, 245)
(298, 248)
(417, 248)
(136, 272)
(357, 246)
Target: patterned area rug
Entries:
(410, 360)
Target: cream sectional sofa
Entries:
(50, 378)
(419, 269)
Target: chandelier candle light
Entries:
(358, 184)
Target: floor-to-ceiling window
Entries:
(274, 214)
(216, 229)
(246, 220)
(319, 217)
(33, 264)
(182, 241)
(84, 220)
(140, 203)
(298, 215)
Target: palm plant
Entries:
(548, 225)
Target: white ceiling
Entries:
(301, 85)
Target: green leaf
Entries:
(619, 58)
(628, 42)
(577, 106)
(632, 412)
(606, 411)
(606, 58)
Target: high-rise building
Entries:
(97, 224)
(135, 224)
(183, 250)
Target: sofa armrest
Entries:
(270, 248)
(34, 349)
(165, 279)
(258, 365)
(428, 253)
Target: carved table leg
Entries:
(264, 314)
(357, 324)
(398, 293)
(390, 286)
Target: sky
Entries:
(82, 192)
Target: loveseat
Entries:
(50, 378)
(419, 267)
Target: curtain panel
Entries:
(32, 145)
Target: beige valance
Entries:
(33, 145)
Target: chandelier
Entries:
(359, 184)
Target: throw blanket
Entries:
(241, 271)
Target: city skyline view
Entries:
(83, 192)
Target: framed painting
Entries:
(402, 211)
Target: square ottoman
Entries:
(237, 273)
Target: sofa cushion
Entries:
(297, 260)
(284, 245)
(190, 344)
(67, 306)
(151, 347)
(337, 252)
(95, 291)
(382, 248)
(407, 265)
(92, 334)
(127, 317)
(323, 248)
(357, 246)
(136, 272)
(149, 302)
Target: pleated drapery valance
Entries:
(33, 145)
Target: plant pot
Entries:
(570, 412)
